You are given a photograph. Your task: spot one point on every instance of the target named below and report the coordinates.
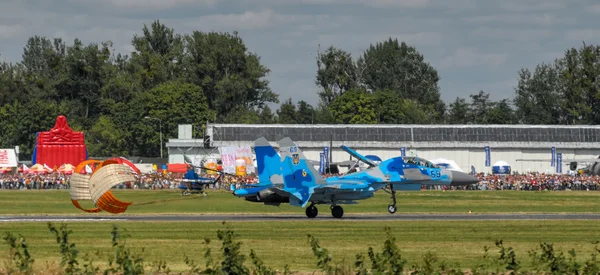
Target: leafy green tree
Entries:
(538, 97)
(323, 114)
(85, 68)
(267, 116)
(106, 139)
(392, 109)
(22, 120)
(229, 75)
(501, 113)
(355, 106)
(42, 67)
(287, 113)
(173, 103)
(158, 52)
(11, 88)
(565, 92)
(480, 106)
(336, 73)
(305, 113)
(242, 115)
(458, 113)
(390, 65)
(484, 111)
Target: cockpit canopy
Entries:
(419, 161)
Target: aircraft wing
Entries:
(358, 156)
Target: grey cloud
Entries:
(583, 34)
(475, 45)
(471, 57)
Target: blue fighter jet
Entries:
(288, 177)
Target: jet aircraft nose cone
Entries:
(460, 178)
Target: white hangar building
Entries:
(523, 147)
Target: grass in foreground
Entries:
(458, 243)
(31, 202)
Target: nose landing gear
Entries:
(392, 207)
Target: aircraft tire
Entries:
(312, 212)
(337, 212)
(392, 209)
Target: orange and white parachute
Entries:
(93, 179)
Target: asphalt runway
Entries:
(241, 218)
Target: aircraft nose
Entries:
(460, 178)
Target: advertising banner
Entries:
(326, 153)
(8, 158)
(322, 163)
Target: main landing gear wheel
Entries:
(312, 211)
(337, 211)
(392, 209)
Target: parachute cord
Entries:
(160, 201)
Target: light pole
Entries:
(160, 130)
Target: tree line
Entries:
(123, 101)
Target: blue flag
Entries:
(403, 151)
(553, 157)
(326, 154)
(559, 163)
(322, 163)
(487, 156)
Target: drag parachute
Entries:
(93, 179)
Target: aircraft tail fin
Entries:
(268, 163)
(299, 175)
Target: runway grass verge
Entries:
(32, 202)
(458, 243)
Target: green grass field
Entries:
(31, 202)
(277, 243)
(460, 243)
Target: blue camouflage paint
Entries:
(268, 162)
(301, 180)
(298, 179)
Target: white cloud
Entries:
(467, 34)
(533, 5)
(248, 20)
(522, 19)
(471, 57)
(144, 5)
(583, 34)
(372, 3)
(520, 34)
(10, 31)
(594, 9)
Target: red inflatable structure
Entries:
(59, 146)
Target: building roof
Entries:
(406, 133)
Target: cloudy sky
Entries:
(475, 45)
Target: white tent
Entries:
(501, 167)
(447, 164)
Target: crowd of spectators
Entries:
(516, 181)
